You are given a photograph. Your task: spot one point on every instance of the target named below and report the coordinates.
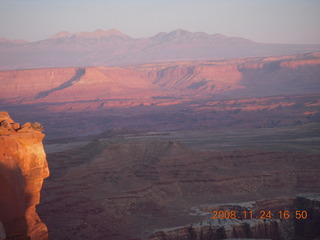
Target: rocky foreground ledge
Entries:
(282, 218)
(23, 167)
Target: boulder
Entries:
(5, 124)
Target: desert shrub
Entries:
(37, 126)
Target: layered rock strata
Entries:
(244, 93)
(253, 220)
(162, 83)
(135, 188)
(23, 167)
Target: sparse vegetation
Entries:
(37, 126)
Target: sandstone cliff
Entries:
(23, 167)
(274, 227)
(162, 83)
(251, 92)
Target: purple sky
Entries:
(273, 21)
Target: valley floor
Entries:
(155, 185)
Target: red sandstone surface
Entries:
(251, 92)
(23, 167)
(162, 83)
(120, 187)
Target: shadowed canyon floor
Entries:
(131, 186)
(245, 93)
(145, 151)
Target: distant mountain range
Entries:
(112, 48)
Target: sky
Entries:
(269, 21)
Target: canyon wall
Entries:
(140, 187)
(159, 82)
(23, 167)
(251, 92)
(274, 227)
(28, 83)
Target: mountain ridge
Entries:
(96, 34)
(12, 41)
(113, 48)
(114, 32)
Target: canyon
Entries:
(250, 92)
(165, 186)
(23, 167)
(251, 77)
(145, 138)
(271, 227)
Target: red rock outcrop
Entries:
(23, 167)
(156, 83)
(135, 96)
(28, 83)
(257, 226)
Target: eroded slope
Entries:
(175, 82)
(129, 190)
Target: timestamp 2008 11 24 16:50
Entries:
(286, 214)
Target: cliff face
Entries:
(273, 227)
(23, 167)
(29, 83)
(135, 96)
(151, 83)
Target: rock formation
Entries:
(100, 88)
(250, 92)
(274, 227)
(115, 48)
(161, 82)
(139, 188)
(23, 167)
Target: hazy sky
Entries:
(278, 21)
